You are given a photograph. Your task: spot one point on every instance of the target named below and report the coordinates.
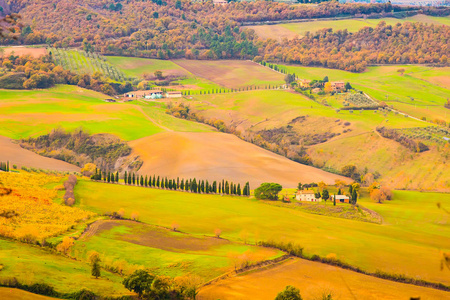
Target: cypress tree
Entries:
(234, 189)
(162, 183)
(134, 179)
(178, 183)
(354, 196)
(108, 177)
(199, 187)
(350, 190)
(157, 182)
(117, 177)
(129, 178)
(220, 188)
(207, 187)
(170, 184)
(182, 185)
(334, 200)
(186, 186)
(7, 166)
(166, 183)
(104, 176)
(154, 181)
(146, 181)
(227, 188)
(214, 187)
(142, 181)
(194, 186)
(239, 189)
(125, 177)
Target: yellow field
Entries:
(314, 279)
(31, 212)
(15, 294)
(217, 156)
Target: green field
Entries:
(166, 252)
(37, 112)
(393, 246)
(353, 25)
(272, 108)
(33, 265)
(408, 93)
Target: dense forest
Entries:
(202, 30)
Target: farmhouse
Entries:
(150, 94)
(337, 85)
(220, 2)
(341, 198)
(304, 83)
(176, 94)
(307, 195)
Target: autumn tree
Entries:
(65, 245)
(289, 293)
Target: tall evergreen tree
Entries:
(129, 178)
(146, 181)
(142, 181)
(182, 185)
(202, 187)
(170, 184)
(239, 189)
(227, 188)
(157, 182)
(354, 196)
(117, 177)
(220, 188)
(194, 186)
(7, 166)
(125, 178)
(134, 179)
(178, 183)
(166, 183)
(108, 177)
(334, 200)
(186, 186)
(350, 190)
(214, 187)
(207, 187)
(154, 181)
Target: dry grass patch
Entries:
(35, 52)
(314, 279)
(217, 156)
(21, 157)
(232, 73)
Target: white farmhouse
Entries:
(307, 195)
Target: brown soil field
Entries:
(232, 73)
(217, 156)
(16, 155)
(313, 280)
(15, 294)
(276, 32)
(35, 52)
(155, 237)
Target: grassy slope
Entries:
(127, 242)
(136, 67)
(394, 246)
(32, 113)
(400, 167)
(31, 265)
(378, 82)
(313, 280)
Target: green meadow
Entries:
(37, 112)
(408, 93)
(272, 108)
(33, 265)
(393, 246)
(166, 252)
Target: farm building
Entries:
(307, 195)
(150, 94)
(341, 198)
(304, 83)
(176, 94)
(337, 85)
(220, 2)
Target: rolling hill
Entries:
(217, 156)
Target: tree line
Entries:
(4, 166)
(192, 185)
(202, 30)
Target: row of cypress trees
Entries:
(188, 185)
(4, 166)
(220, 91)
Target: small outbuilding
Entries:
(175, 94)
(340, 198)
